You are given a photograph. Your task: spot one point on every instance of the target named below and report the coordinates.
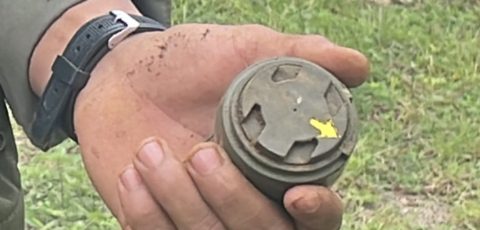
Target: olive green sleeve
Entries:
(22, 25)
(159, 10)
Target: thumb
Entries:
(314, 207)
(258, 42)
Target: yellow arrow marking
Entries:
(326, 129)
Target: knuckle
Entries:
(316, 38)
(209, 222)
(217, 226)
(228, 191)
(249, 39)
(140, 218)
(254, 27)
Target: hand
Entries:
(168, 85)
(221, 197)
(208, 192)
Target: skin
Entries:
(142, 118)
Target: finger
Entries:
(172, 187)
(256, 42)
(140, 211)
(235, 201)
(314, 207)
(348, 65)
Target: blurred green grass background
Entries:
(417, 162)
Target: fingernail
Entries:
(206, 160)
(151, 154)
(130, 179)
(307, 204)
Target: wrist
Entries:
(111, 77)
(58, 35)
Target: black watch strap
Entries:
(71, 71)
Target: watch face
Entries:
(287, 121)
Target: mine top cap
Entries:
(294, 112)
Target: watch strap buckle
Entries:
(131, 25)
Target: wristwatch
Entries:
(53, 119)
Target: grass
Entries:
(417, 163)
